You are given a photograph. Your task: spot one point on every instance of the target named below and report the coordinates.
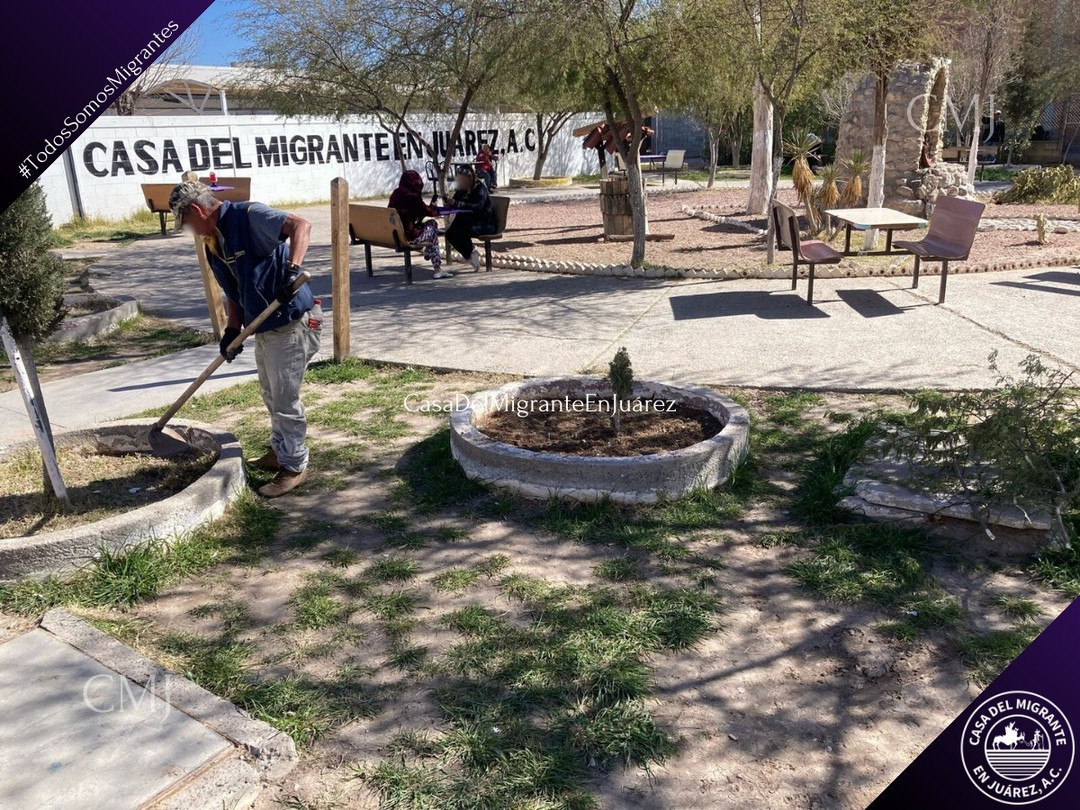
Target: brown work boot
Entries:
(284, 481)
(268, 461)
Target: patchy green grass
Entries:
(304, 707)
(1059, 568)
(119, 578)
(1016, 608)
(315, 606)
(392, 569)
(136, 225)
(987, 654)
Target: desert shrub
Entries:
(31, 277)
(1052, 184)
(1017, 444)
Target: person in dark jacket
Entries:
(417, 218)
(486, 162)
(478, 214)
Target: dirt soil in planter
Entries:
(99, 486)
(647, 427)
(89, 306)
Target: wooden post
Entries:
(339, 260)
(41, 429)
(215, 303)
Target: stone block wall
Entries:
(915, 115)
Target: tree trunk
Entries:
(541, 147)
(875, 194)
(777, 161)
(761, 159)
(714, 156)
(638, 205)
(973, 153)
(736, 151)
(25, 349)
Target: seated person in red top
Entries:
(485, 166)
(417, 218)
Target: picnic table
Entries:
(882, 219)
(651, 160)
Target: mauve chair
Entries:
(949, 238)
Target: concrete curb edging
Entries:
(624, 479)
(85, 327)
(205, 499)
(845, 269)
(273, 751)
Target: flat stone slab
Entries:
(76, 734)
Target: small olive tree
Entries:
(621, 378)
(31, 284)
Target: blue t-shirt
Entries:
(251, 267)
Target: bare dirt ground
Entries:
(794, 701)
(572, 231)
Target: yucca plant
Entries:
(856, 166)
(802, 147)
(828, 193)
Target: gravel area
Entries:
(572, 231)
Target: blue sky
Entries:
(218, 44)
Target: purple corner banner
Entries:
(1015, 745)
(65, 62)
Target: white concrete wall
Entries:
(117, 154)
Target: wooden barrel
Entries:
(615, 206)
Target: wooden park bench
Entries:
(809, 252)
(380, 226)
(157, 200)
(157, 194)
(953, 225)
(502, 208)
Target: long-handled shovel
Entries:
(166, 441)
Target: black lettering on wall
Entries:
(88, 159)
(530, 140)
(314, 149)
(511, 142)
(299, 157)
(120, 160)
(147, 162)
(382, 146)
(240, 163)
(221, 153)
(170, 158)
(415, 146)
(348, 143)
(267, 154)
(494, 139)
(333, 151)
(198, 155)
(470, 142)
(366, 138)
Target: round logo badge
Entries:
(1017, 747)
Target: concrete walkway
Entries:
(89, 723)
(861, 334)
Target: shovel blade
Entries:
(168, 443)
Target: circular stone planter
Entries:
(624, 479)
(543, 182)
(203, 500)
(84, 327)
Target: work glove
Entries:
(285, 295)
(231, 334)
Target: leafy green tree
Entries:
(398, 62)
(716, 91)
(31, 285)
(628, 50)
(876, 36)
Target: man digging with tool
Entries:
(255, 253)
